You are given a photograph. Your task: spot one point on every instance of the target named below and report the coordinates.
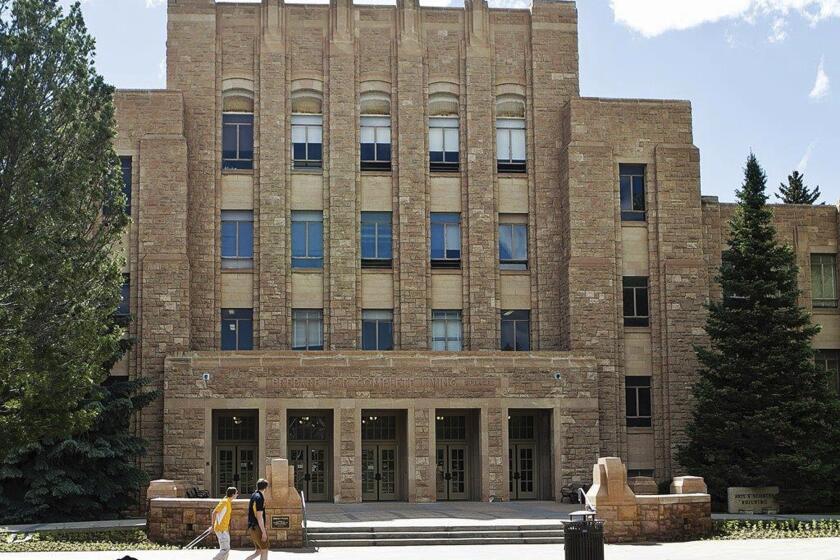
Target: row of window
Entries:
(307, 233)
(377, 330)
(374, 142)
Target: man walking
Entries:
(221, 522)
(256, 522)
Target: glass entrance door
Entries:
(311, 470)
(452, 469)
(379, 472)
(522, 459)
(236, 465)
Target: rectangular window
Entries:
(237, 141)
(513, 242)
(237, 239)
(637, 396)
(510, 145)
(632, 186)
(376, 239)
(824, 280)
(443, 144)
(640, 472)
(446, 331)
(636, 312)
(307, 329)
(306, 141)
(516, 331)
(307, 239)
(829, 360)
(377, 330)
(237, 329)
(446, 240)
(125, 164)
(123, 310)
(375, 143)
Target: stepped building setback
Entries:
(394, 245)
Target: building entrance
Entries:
(310, 453)
(381, 456)
(454, 455)
(235, 451)
(528, 455)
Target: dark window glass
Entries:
(237, 239)
(377, 330)
(237, 141)
(125, 164)
(635, 296)
(515, 330)
(513, 246)
(446, 240)
(829, 360)
(638, 400)
(632, 187)
(237, 329)
(123, 309)
(376, 239)
(307, 239)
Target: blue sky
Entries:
(761, 74)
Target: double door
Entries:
(451, 467)
(379, 472)
(311, 470)
(236, 465)
(522, 462)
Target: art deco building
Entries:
(395, 245)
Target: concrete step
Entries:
(436, 535)
(427, 541)
(431, 528)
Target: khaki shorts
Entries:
(256, 538)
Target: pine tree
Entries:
(61, 218)
(763, 412)
(796, 191)
(93, 475)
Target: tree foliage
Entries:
(764, 414)
(61, 217)
(796, 191)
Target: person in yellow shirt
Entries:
(221, 522)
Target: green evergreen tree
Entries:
(796, 191)
(61, 218)
(763, 413)
(93, 475)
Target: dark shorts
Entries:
(256, 538)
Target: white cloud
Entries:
(655, 17)
(822, 85)
(806, 157)
(155, 3)
(778, 31)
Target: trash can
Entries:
(583, 537)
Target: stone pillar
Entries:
(412, 257)
(349, 457)
(340, 166)
(479, 219)
(425, 489)
(493, 460)
(271, 198)
(614, 500)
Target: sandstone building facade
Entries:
(395, 245)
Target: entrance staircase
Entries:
(435, 535)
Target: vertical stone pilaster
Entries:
(493, 459)
(341, 254)
(350, 455)
(480, 216)
(425, 489)
(410, 222)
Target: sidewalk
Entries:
(138, 523)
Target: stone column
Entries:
(349, 457)
(493, 460)
(425, 489)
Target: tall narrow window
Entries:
(446, 240)
(632, 186)
(123, 310)
(635, 292)
(237, 239)
(237, 329)
(125, 164)
(306, 141)
(829, 361)
(516, 330)
(824, 280)
(513, 242)
(375, 133)
(307, 239)
(377, 329)
(307, 329)
(376, 239)
(637, 398)
(510, 134)
(446, 330)
(443, 144)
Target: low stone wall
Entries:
(665, 517)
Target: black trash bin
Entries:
(584, 540)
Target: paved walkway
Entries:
(810, 549)
(385, 514)
(76, 526)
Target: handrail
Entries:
(303, 512)
(584, 499)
